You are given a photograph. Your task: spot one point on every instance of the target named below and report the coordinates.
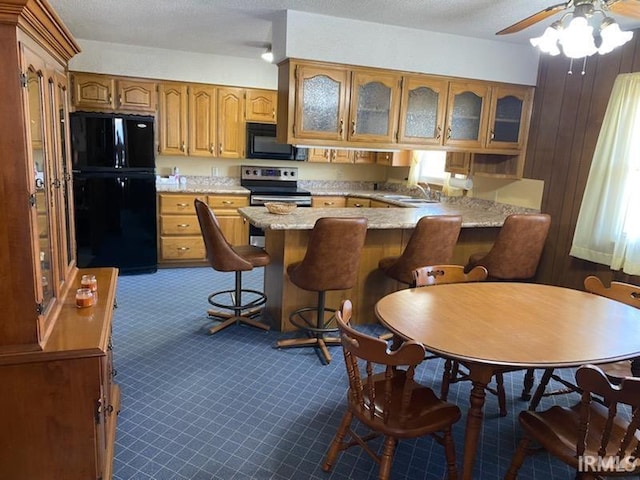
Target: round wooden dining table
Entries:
(496, 326)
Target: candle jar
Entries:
(90, 282)
(84, 298)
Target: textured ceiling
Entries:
(243, 27)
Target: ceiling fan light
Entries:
(577, 39)
(548, 42)
(267, 55)
(612, 36)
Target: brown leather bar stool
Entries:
(223, 257)
(431, 243)
(330, 263)
(515, 256)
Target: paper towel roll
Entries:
(461, 183)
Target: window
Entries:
(608, 226)
(432, 164)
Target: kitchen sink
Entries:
(395, 196)
(418, 201)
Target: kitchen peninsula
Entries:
(388, 232)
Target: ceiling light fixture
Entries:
(577, 38)
(267, 55)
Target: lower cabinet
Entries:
(59, 405)
(180, 239)
(322, 201)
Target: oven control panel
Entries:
(269, 173)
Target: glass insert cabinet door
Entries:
(510, 108)
(422, 111)
(321, 106)
(374, 106)
(466, 114)
(43, 192)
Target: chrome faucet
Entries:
(425, 189)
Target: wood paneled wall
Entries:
(567, 115)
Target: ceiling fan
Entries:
(627, 8)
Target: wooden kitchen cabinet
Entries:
(261, 105)
(172, 119)
(59, 405)
(467, 114)
(203, 125)
(201, 120)
(107, 93)
(234, 227)
(374, 106)
(180, 239)
(509, 116)
(358, 202)
(339, 155)
(394, 159)
(423, 109)
(231, 124)
(337, 104)
(458, 162)
(179, 235)
(333, 201)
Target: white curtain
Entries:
(414, 169)
(608, 226)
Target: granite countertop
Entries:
(474, 212)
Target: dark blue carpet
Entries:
(231, 407)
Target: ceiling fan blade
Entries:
(627, 8)
(533, 19)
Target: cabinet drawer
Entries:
(328, 202)
(182, 248)
(179, 225)
(228, 201)
(178, 203)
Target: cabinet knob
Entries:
(182, 205)
(183, 249)
(183, 147)
(438, 132)
(328, 203)
(220, 148)
(212, 148)
(341, 127)
(493, 135)
(353, 127)
(227, 202)
(448, 133)
(183, 225)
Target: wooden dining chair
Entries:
(386, 399)
(621, 292)
(595, 439)
(454, 371)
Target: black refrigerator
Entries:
(114, 189)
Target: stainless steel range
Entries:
(271, 184)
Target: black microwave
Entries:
(261, 144)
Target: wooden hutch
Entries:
(59, 404)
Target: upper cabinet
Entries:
(467, 114)
(204, 120)
(108, 93)
(374, 106)
(337, 104)
(333, 105)
(422, 112)
(261, 106)
(509, 116)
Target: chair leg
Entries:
(502, 397)
(446, 379)
(529, 379)
(542, 386)
(450, 454)
(386, 458)
(518, 458)
(338, 443)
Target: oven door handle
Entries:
(257, 200)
